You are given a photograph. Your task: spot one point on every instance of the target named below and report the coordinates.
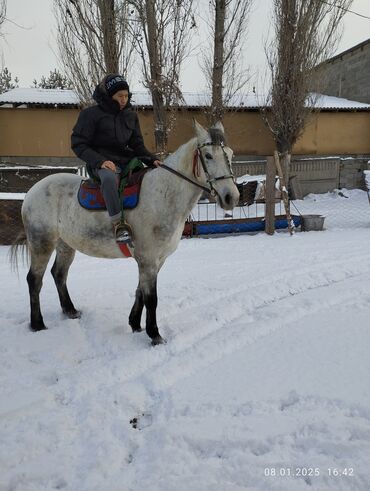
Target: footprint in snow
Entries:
(142, 421)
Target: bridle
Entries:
(198, 156)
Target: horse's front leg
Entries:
(148, 284)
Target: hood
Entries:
(101, 97)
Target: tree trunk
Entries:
(270, 196)
(284, 190)
(218, 62)
(109, 35)
(285, 158)
(160, 124)
(159, 112)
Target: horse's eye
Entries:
(208, 156)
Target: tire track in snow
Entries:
(216, 345)
(261, 293)
(278, 278)
(187, 352)
(198, 344)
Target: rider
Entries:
(106, 137)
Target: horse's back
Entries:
(42, 202)
(54, 185)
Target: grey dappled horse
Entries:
(54, 220)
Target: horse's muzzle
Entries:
(228, 198)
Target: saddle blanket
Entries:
(91, 198)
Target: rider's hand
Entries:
(157, 163)
(108, 164)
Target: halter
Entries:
(199, 156)
(210, 181)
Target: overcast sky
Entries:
(30, 51)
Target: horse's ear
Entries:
(202, 133)
(219, 126)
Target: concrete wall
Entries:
(347, 75)
(36, 132)
(46, 133)
(316, 175)
(326, 133)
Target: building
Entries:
(36, 124)
(347, 74)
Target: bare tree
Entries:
(306, 33)
(224, 71)
(2, 12)
(162, 44)
(92, 40)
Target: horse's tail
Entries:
(19, 247)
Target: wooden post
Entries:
(270, 196)
(284, 193)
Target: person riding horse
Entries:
(106, 137)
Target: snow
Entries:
(34, 95)
(266, 368)
(367, 179)
(16, 196)
(249, 178)
(35, 167)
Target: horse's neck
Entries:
(182, 161)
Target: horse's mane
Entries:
(174, 157)
(217, 136)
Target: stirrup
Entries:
(123, 233)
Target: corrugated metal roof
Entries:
(40, 96)
(330, 102)
(190, 100)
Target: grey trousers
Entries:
(109, 188)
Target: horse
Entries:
(54, 220)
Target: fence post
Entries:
(270, 196)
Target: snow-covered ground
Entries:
(264, 383)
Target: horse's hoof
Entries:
(73, 314)
(38, 328)
(158, 340)
(136, 327)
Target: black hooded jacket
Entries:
(104, 132)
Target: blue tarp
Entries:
(240, 227)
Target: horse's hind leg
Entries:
(136, 311)
(39, 261)
(63, 260)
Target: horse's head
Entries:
(215, 157)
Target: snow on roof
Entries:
(192, 100)
(330, 102)
(253, 101)
(33, 95)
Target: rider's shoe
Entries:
(123, 233)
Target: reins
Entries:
(186, 178)
(198, 155)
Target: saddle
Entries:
(90, 196)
